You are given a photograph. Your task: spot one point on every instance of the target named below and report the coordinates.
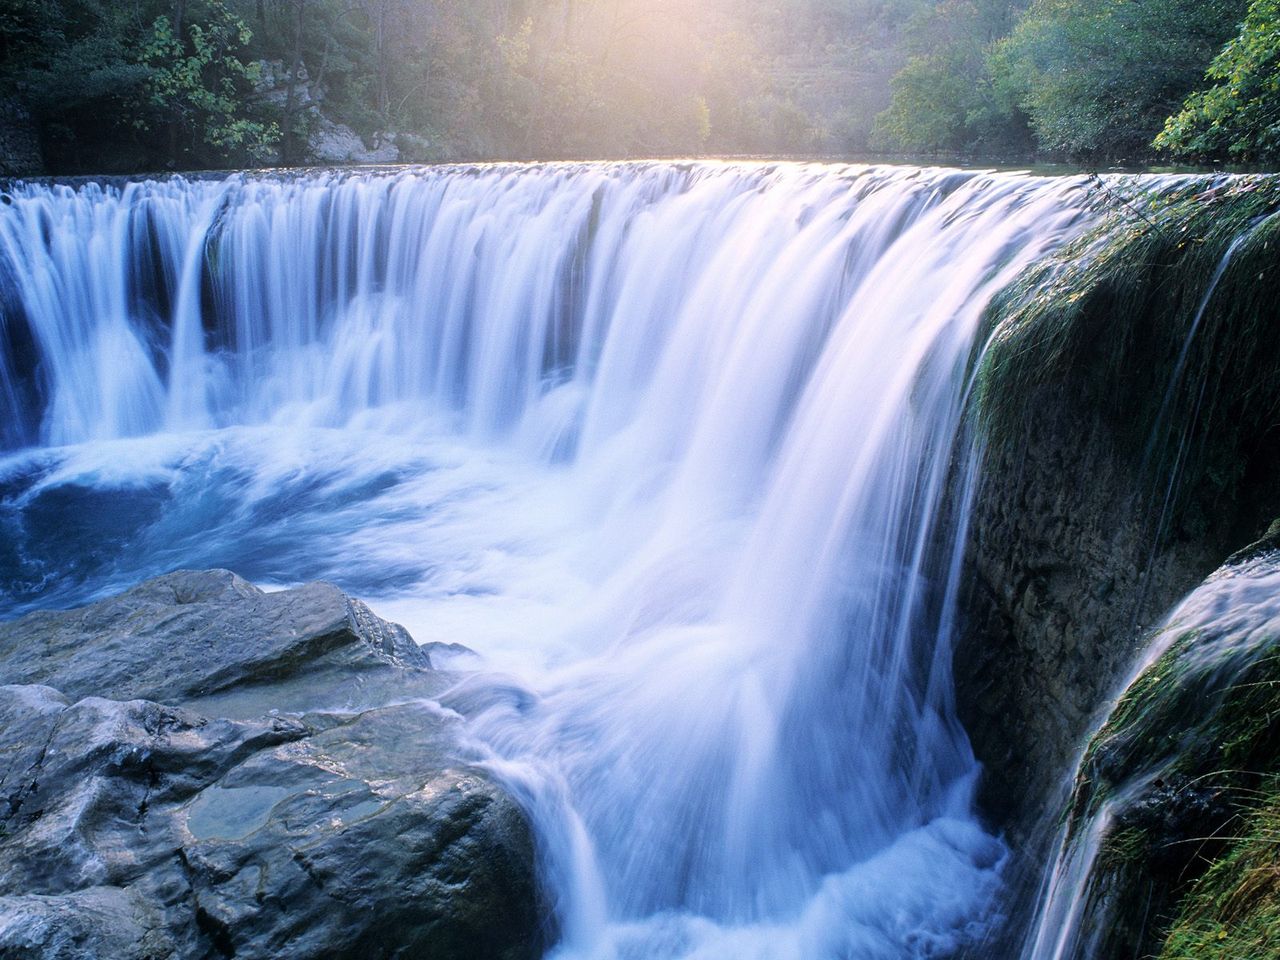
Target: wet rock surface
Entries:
(199, 769)
(1066, 570)
(1177, 793)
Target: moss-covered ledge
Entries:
(1179, 791)
(1129, 400)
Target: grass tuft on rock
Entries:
(1233, 910)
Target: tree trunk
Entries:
(288, 145)
(383, 97)
(175, 124)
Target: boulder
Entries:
(329, 141)
(333, 142)
(196, 768)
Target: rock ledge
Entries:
(196, 768)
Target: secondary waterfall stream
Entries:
(666, 445)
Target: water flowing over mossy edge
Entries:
(1157, 324)
(1150, 339)
(1184, 781)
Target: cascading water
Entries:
(1220, 631)
(668, 445)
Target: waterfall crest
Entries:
(669, 445)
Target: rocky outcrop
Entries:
(1128, 395)
(328, 141)
(337, 143)
(1066, 573)
(196, 768)
(1171, 838)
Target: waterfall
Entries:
(677, 449)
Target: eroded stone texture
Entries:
(1067, 568)
(157, 804)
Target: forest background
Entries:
(132, 85)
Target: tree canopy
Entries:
(144, 84)
(1238, 117)
(1099, 77)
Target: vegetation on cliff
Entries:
(1233, 910)
(1128, 394)
(1188, 765)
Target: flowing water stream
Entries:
(666, 445)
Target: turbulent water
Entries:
(666, 445)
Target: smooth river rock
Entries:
(196, 768)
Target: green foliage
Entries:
(1097, 78)
(946, 98)
(101, 78)
(930, 103)
(199, 86)
(174, 82)
(70, 63)
(1238, 118)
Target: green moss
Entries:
(1233, 910)
(1145, 730)
(1105, 328)
(1190, 758)
(1193, 717)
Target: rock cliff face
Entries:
(196, 768)
(20, 154)
(1066, 573)
(1129, 397)
(328, 141)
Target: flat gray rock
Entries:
(195, 634)
(196, 768)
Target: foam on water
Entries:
(667, 444)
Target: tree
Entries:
(72, 64)
(198, 88)
(1097, 78)
(946, 98)
(1238, 118)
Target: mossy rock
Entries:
(1158, 323)
(1188, 769)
